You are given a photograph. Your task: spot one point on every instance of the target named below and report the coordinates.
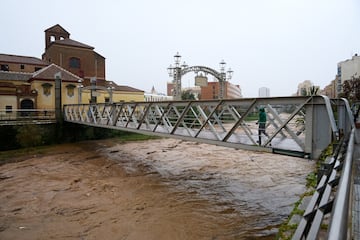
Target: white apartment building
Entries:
(346, 70)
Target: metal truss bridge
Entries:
(299, 126)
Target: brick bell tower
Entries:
(54, 33)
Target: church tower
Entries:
(54, 33)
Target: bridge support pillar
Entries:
(345, 116)
(318, 129)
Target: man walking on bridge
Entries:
(262, 124)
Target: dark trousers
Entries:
(262, 131)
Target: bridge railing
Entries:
(340, 213)
(331, 198)
(303, 126)
(26, 116)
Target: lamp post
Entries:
(224, 76)
(178, 70)
(93, 90)
(80, 86)
(175, 72)
(110, 88)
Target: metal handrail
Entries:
(339, 221)
(23, 116)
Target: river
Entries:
(156, 189)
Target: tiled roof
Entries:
(21, 59)
(127, 89)
(15, 76)
(121, 87)
(58, 28)
(49, 72)
(70, 42)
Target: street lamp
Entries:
(175, 73)
(110, 88)
(80, 86)
(93, 90)
(230, 73)
(224, 76)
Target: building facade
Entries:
(212, 90)
(15, 63)
(346, 70)
(76, 57)
(36, 90)
(29, 82)
(330, 90)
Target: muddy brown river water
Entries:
(157, 189)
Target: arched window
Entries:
(70, 90)
(52, 38)
(46, 88)
(74, 62)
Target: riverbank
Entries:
(158, 189)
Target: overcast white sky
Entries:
(268, 43)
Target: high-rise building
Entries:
(346, 70)
(264, 92)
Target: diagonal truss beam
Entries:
(229, 122)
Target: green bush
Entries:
(29, 135)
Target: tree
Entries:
(187, 95)
(351, 89)
(313, 91)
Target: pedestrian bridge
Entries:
(299, 126)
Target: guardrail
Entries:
(26, 116)
(340, 216)
(331, 196)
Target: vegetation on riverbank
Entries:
(288, 228)
(30, 136)
(21, 153)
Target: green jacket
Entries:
(262, 116)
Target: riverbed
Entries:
(156, 189)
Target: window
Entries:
(8, 109)
(46, 89)
(22, 66)
(37, 69)
(74, 62)
(339, 71)
(70, 90)
(4, 67)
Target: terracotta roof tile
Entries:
(70, 42)
(56, 27)
(127, 89)
(122, 87)
(48, 73)
(15, 76)
(22, 59)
